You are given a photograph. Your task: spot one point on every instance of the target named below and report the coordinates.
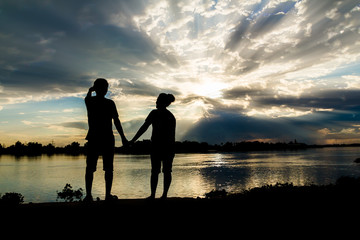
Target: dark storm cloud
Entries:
(49, 45)
(234, 127)
(344, 103)
(78, 125)
(43, 77)
(328, 99)
(223, 126)
(340, 99)
(330, 109)
(242, 92)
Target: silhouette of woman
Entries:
(162, 142)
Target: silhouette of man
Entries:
(162, 142)
(101, 112)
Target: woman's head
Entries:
(164, 100)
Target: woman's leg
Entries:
(155, 170)
(167, 182)
(167, 169)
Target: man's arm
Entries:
(88, 95)
(120, 130)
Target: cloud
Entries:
(225, 127)
(66, 46)
(140, 88)
(342, 100)
(303, 32)
(27, 122)
(77, 125)
(315, 128)
(256, 66)
(312, 117)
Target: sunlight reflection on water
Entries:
(38, 178)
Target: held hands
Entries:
(127, 143)
(131, 143)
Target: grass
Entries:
(345, 189)
(278, 200)
(268, 211)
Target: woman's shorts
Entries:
(167, 160)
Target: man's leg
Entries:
(91, 162)
(108, 182)
(108, 166)
(89, 176)
(153, 183)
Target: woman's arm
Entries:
(141, 131)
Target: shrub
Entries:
(216, 194)
(68, 194)
(12, 198)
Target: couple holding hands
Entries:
(101, 113)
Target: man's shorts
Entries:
(100, 148)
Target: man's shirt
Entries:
(101, 112)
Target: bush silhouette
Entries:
(68, 194)
(12, 198)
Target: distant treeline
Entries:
(35, 148)
(144, 147)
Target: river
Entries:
(38, 178)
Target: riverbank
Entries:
(280, 210)
(264, 215)
(341, 197)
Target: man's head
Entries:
(101, 87)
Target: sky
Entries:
(265, 70)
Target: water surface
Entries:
(38, 178)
